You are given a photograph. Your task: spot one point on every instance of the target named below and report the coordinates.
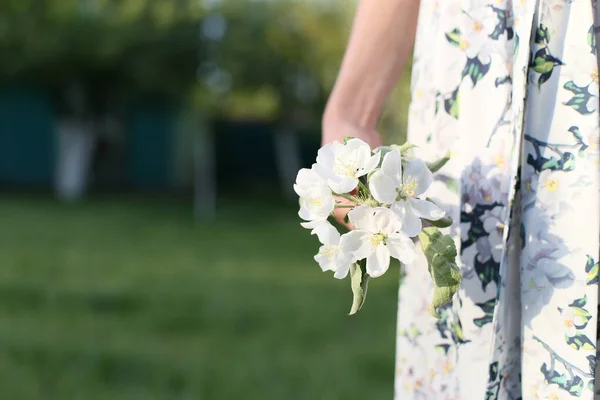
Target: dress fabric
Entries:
(511, 89)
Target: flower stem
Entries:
(363, 186)
(570, 367)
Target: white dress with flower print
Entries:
(511, 88)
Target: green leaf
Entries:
(442, 222)
(359, 282)
(591, 39)
(443, 348)
(591, 268)
(543, 78)
(542, 66)
(579, 302)
(584, 315)
(453, 37)
(405, 147)
(576, 134)
(440, 252)
(475, 69)
(502, 80)
(453, 186)
(493, 374)
(576, 386)
(435, 166)
(580, 341)
(347, 139)
(451, 104)
(542, 35)
(580, 99)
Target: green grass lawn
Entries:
(130, 299)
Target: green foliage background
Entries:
(274, 59)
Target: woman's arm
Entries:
(380, 43)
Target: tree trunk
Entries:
(76, 142)
(287, 153)
(205, 187)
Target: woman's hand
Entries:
(335, 129)
(381, 40)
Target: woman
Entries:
(510, 87)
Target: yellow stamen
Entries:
(329, 251)
(551, 185)
(477, 26)
(448, 367)
(409, 187)
(345, 168)
(316, 202)
(378, 239)
(500, 161)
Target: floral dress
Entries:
(511, 88)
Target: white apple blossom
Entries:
(391, 185)
(551, 187)
(478, 24)
(377, 236)
(342, 164)
(493, 224)
(316, 199)
(572, 321)
(330, 258)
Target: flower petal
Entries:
(491, 223)
(342, 271)
(359, 148)
(342, 185)
(378, 261)
(383, 188)
(370, 164)
(342, 261)
(417, 169)
(326, 233)
(326, 155)
(312, 224)
(401, 247)
(362, 217)
(411, 224)
(426, 209)
(357, 244)
(318, 204)
(325, 261)
(392, 165)
(386, 221)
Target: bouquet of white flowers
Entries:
(382, 188)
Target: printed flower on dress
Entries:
(480, 23)
(391, 185)
(542, 270)
(493, 224)
(552, 187)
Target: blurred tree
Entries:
(269, 60)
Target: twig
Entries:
(570, 367)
